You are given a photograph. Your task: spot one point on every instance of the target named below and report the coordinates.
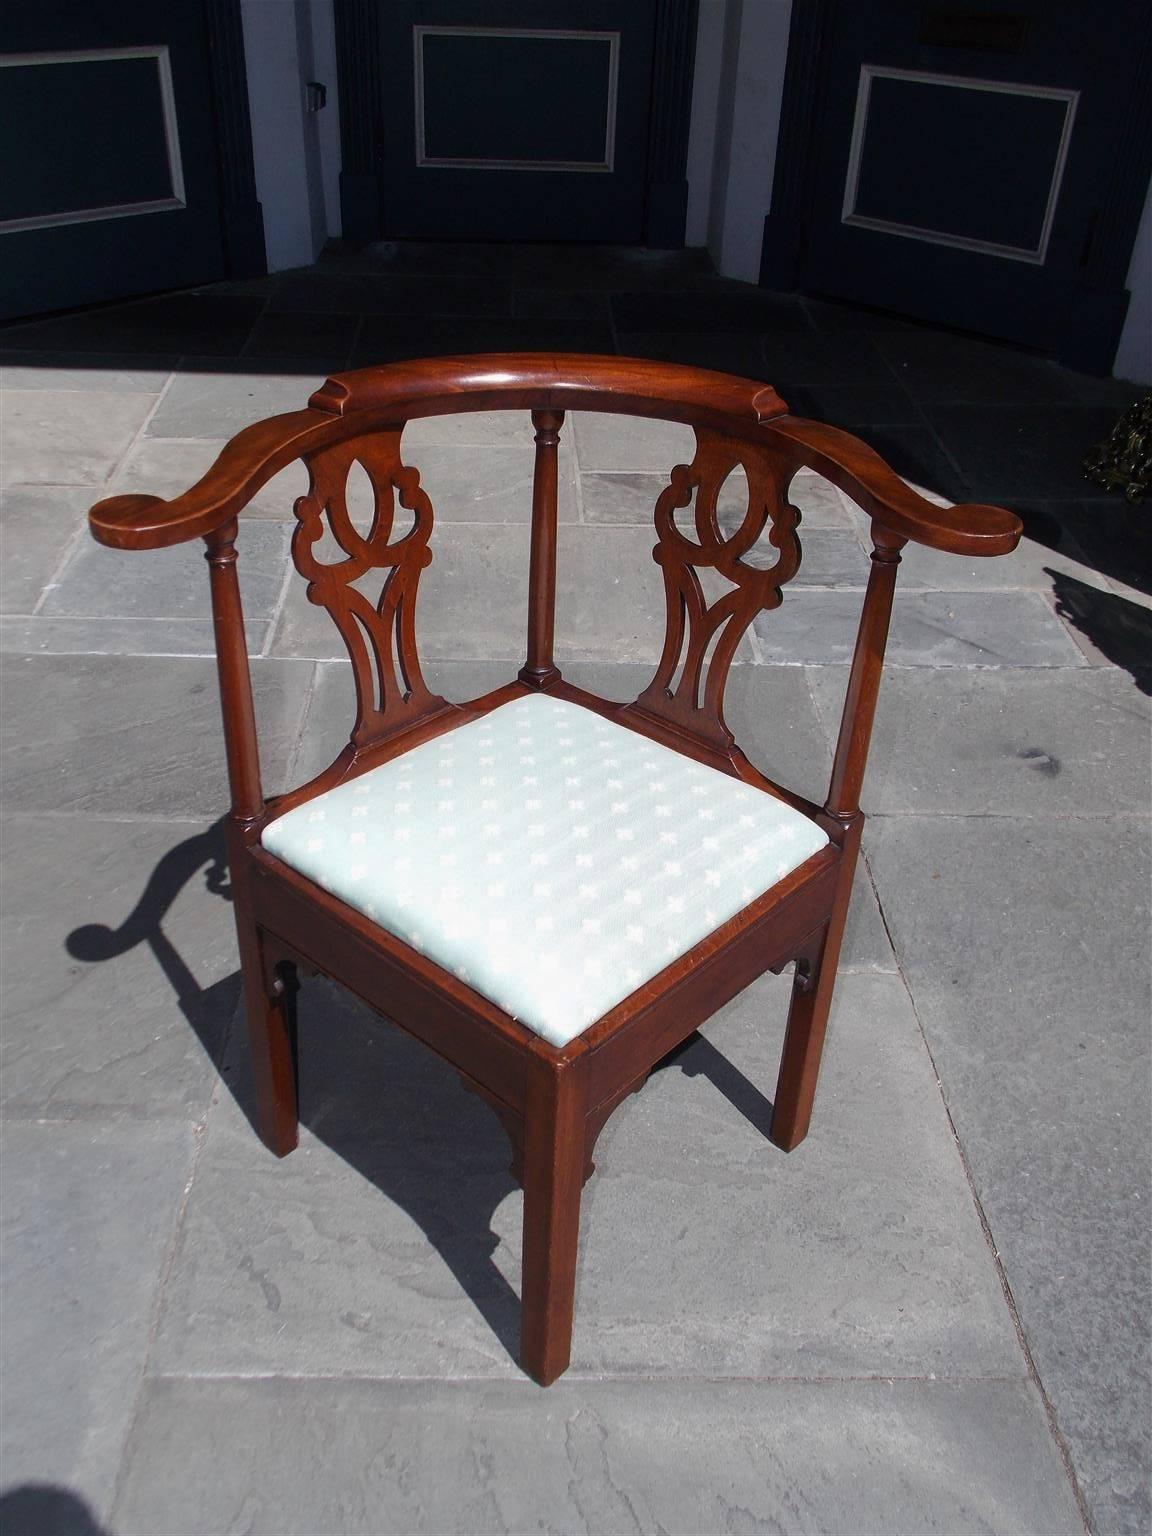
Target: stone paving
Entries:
(931, 1317)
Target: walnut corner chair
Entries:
(551, 890)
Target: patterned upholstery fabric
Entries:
(548, 857)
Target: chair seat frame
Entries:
(553, 1102)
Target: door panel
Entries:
(517, 120)
(959, 157)
(108, 143)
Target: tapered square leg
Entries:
(270, 1018)
(554, 1162)
(803, 1045)
(812, 989)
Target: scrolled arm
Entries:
(969, 529)
(244, 465)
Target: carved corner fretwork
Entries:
(701, 637)
(381, 635)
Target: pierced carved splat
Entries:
(701, 638)
(381, 635)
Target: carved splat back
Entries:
(701, 637)
(380, 635)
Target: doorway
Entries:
(516, 119)
(979, 167)
(125, 139)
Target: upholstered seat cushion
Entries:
(548, 857)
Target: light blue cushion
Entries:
(548, 857)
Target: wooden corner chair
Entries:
(552, 891)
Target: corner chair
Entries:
(550, 890)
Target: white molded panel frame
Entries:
(869, 72)
(159, 52)
(419, 33)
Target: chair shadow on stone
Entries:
(385, 1105)
(1120, 629)
(44, 1509)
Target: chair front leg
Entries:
(555, 1134)
(812, 989)
(269, 1010)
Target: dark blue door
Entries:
(961, 157)
(516, 119)
(108, 148)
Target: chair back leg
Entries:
(555, 1158)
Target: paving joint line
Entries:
(199, 1137)
(302, 728)
(256, 319)
(98, 490)
(1062, 1447)
(516, 1378)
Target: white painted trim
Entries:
(1134, 354)
(869, 72)
(419, 33)
(159, 52)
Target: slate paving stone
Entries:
(477, 429)
(1033, 451)
(88, 1215)
(385, 339)
(1031, 566)
(607, 441)
(559, 304)
(1038, 1022)
(855, 407)
(832, 557)
(802, 359)
(317, 292)
(98, 582)
(929, 629)
(744, 309)
(105, 1010)
(218, 404)
(723, 351)
(915, 452)
(833, 318)
(66, 437)
(494, 486)
(37, 635)
(130, 735)
(205, 323)
(390, 1243)
(622, 496)
(359, 1459)
(83, 371)
(167, 467)
(1036, 744)
(630, 496)
(471, 602)
(1118, 394)
(473, 597)
(1114, 535)
(939, 366)
(327, 337)
(38, 524)
(536, 265)
(1109, 628)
